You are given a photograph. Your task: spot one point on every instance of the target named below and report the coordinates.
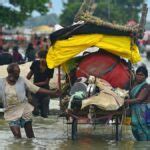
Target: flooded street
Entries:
(53, 134)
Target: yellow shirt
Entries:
(11, 95)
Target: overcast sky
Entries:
(57, 6)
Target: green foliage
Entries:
(14, 18)
(70, 9)
(119, 11)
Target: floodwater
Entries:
(54, 134)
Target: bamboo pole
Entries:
(59, 85)
(85, 14)
(88, 6)
(99, 22)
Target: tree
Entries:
(119, 11)
(70, 9)
(13, 17)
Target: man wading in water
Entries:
(18, 112)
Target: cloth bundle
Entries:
(107, 99)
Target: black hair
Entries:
(142, 69)
(10, 68)
(15, 48)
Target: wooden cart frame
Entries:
(74, 119)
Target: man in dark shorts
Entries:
(42, 75)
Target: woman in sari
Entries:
(140, 106)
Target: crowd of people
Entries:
(29, 53)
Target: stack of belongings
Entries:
(92, 31)
(117, 43)
(108, 98)
(97, 92)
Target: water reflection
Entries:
(51, 134)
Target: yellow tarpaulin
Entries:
(64, 50)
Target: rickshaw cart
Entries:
(116, 39)
(101, 117)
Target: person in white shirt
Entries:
(18, 112)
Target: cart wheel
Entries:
(74, 129)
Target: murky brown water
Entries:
(51, 134)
